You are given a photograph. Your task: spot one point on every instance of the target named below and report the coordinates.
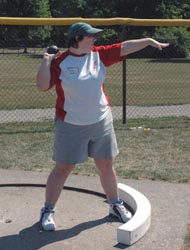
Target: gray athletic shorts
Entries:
(73, 144)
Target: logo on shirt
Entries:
(73, 70)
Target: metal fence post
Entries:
(124, 87)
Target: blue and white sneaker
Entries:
(119, 210)
(46, 219)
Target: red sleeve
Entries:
(110, 54)
(55, 69)
(54, 72)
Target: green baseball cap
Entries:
(83, 29)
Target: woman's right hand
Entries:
(43, 76)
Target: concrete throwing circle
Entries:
(81, 218)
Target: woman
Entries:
(83, 123)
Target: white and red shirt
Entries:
(79, 82)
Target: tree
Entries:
(179, 36)
(25, 35)
(40, 34)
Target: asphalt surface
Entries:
(82, 217)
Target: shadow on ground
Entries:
(32, 238)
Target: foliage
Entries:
(175, 8)
(170, 9)
(178, 36)
(96, 9)
(40, 33)
(27, 35)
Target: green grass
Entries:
(18, 83)
(161, 154)
(149, 82)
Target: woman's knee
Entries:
(62, 168)
(104, 165)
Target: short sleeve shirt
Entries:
(79, 83)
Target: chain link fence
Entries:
(150, 89)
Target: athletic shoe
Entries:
(46, 219)
(118, 210)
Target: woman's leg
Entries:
(54, 187)
(56, 182)
(108, 178)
